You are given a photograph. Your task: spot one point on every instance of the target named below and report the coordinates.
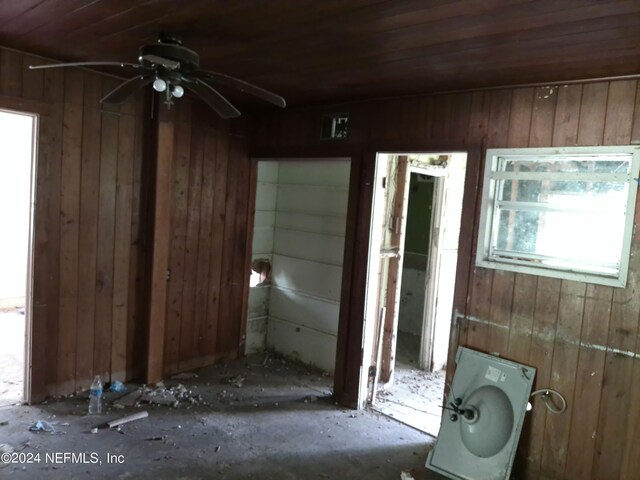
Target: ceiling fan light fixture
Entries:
(177, 91)
(159, 85)
(170, 68)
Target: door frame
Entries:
(17, 108)
(374, 364)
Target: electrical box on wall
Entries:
(335, 126)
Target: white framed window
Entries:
(559, 212)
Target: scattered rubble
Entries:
(175, 397)
(235, 380)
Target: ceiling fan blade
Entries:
(222, 79)
(126, 89)
(213, 98)
(87, 64)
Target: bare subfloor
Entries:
(263, 419)
(11, 355)
(415, 396)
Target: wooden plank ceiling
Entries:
(331, 50)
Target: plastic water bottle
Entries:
(95, 396)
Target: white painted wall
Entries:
(15, 189)
(412, 296)
(263, 229)
(307, 249)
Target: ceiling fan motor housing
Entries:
(189, 60)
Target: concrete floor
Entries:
(280, 424)
(415, 396)
(12, 343)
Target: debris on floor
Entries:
(184, 376)
(234, 380)
(124, 420)
(175, 397)
(404, 475)
(117, 386)
(42, 426)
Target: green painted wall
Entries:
(419, 215)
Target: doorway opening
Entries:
(417, 206)
(17, 166)
(297, 255)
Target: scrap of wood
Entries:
(127, 419)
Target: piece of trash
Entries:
(4, 423)
(127, 419)
(235, 380)
(217, 449)
(404, 475)
(184, 376)
(41, 426)
(94, 430)
(117, 386)
(159, 438)
(65, 424)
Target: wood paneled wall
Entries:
(94, 230)
(212, 211)
(87, 314)
(583, 339)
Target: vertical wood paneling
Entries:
(595, 321)
(204, 246)
(161, 248)
(550, 324)
(88, 242)
(479, 334)
(188, 326)
(631, 450)
(11, 73)
(69, 219)
(106, 244)
(623, 327)
(224, 339)
(179, 209)
(122, 247)
(215, 263)
(584, 423)
(242, 243)
(46, 262)
(32, 80)
(136, 318)
(547, 296)
(77, 192)
(570, 309)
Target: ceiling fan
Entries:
(171, 68)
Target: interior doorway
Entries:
(17, 154)
(411, 279)
(297, 255)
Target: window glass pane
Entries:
(562, 194)
(575, 164)
(566, 235)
